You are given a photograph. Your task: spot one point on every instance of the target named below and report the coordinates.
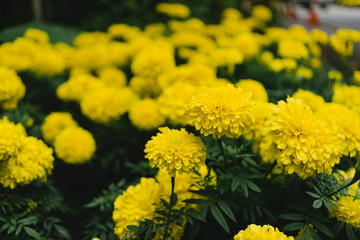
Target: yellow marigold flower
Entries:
(350, 35)
(38, 35)
(32, 206)
(33, 161)
(74, 145)
(173, 101)
(304, 72)
(91, 38)
(11, 138)
(342, 47)
(291, 48)
(231, 13)
(348, 95)
(219, 111)
(254, 232)
(145, 115)
(12, 89)
(300, 141)
(301, 232)
(175, 151)
(174, 10)
(347, 122)
(348, 207)
(226, 57)
(315, 63)
(335, 75)
(107, 104)
(261, 12)
(77, 86)
(152, 62)
(311, 99)
(112, 77)
(247, 44)
(54, 123)
(319, 36)
(256, 88)
(299, 33)
(266, 57)
(48, 62)
(356, 77)
(124, 31)
(119, 53)
(138, 203)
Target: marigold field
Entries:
(180, 129)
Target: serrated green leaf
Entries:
(31, 232)
(322, 228)
(226, 209)
(313, 194)
(293, 226)
(293, 216)
(215, 211)
(252, 186)
(317, 203)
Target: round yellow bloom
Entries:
(311, 99)
(48, 62)
(175, 151)
(173, 101)
(348, 95)
(33, 161)
(335, 75)
(256, 232)
(12, 90)
(11, 138)
(319, 36)
(74, 145)
(112, 77)
(256, 88)
(138, 203)
(290, 48)
(347, 122)
(304, 72)
(145, 115)
(145, 87)
(348, 207)
(54, 123)
(219, 111)
(262, 12)
(38, 35)
(174, 10)
(300, 141)
(106, 105)
(356, 77)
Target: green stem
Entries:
(170, 207)
(219, 140)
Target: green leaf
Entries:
(226, 209)
(63, 232)
(322, 228)
(18, 230)
(158, 229)
(313, 194)
(313, 233)
(28, 221)
(215, 211)
(133, 228)
(253, 186)
(197, 216)
(11, 229)
(338, 227)
(317, 203)
(293, 216)
(5, 226)
(196, 201)
(244, 188)
(293, 226)
(305, 235)
(127, 236)
(31, 232)
(235, 183)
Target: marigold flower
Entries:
(11, 138)
(258, 91)
(112, 77)
(348, 95)
(38, 35)
(54, 123)
(311, 99)
(304, 72)
(254, 232)
(12, 90)
(300, 141)
(291, 48)
(335, 75)
(74, 145)
(33, 161)
(220, 111)
(174, 10)
(145, 115)
(137, 203)
(175, 151)
(262, 12)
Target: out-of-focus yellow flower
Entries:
(335, 75)
(91, 38)
(292, 49)
(112, 77)
(12, 89)
(348, 95)
(74, 145)
(48, 62)
(175, 151)
(174, 10)
(262, 12)
(258, 91)
(315, 63)
(261, 232)
(54, 123)
(145, 115)
(311, 99)
(304, 72)
(231, 13)
(319, 36)
(11, 138)
(145, 86)
(38, 35)
(124, 31)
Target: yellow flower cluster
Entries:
(299, 140)
(72, 144)
(343, 41)
(23, 159)
(262, 12)
(219, 111)
(254, 232)
(258, 91)
(174, 10)
(12, 90)
(347, 95)
(175, 151)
